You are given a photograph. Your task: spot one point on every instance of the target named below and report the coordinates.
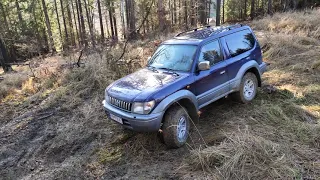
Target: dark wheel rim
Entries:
(182, 129)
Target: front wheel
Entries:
(176, 125)
(248, 88)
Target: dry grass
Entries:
(299, 23)
(11, 82)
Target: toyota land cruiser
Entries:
(186, 73)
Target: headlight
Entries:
(143, 108)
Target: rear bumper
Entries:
(263, 67)
(136, 122)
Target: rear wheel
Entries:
(176, 125)
(248, 88)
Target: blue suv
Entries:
(186, 73)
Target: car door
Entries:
(239, 47)
(211, 84)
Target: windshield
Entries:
(173, 57)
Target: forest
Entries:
(34, 27)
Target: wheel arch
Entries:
(255, 71)
(250, 66)
(183, 98)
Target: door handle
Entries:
(222, 72)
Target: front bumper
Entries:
(136, 122)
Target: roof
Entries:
(198, 35)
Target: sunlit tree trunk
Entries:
(58, 21)
(90, 25)
(72, 36)
(83, 28)
(64, 24)
(75, 21)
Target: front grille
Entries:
(120, 104)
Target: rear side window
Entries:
(211, 52)
(240, 42)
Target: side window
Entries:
(211, 52)
(240, 42)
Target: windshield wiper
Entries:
(170, 71)
(152, 68)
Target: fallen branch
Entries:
(45, 116)
(79, 58)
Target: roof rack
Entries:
(228, 28)
(192, 30)
(207, 31)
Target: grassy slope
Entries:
(276, 136)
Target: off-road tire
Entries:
(239, 95)
(169, 128)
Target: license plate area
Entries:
(116, 118)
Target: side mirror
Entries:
(204, 65)
(149, 58)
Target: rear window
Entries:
(240, 42)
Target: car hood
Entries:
(142, 84)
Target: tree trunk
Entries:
(83, 28)
(223, 18)
(51, 43)
(39, 39)
(131, 19)
(218, 13)
(72, 36)
(245, 9)
(179, 12)
(252, 15)
(269, 7)
(202, 9)
(101, 21)
(122, 19)
(4, 15)
(64, 24)
(90, 25)
(107, 26)
(75, 21)
(175, 11)
(21, 22)
(160, 15)
(114, 21)
(111, 20)
(186, 14)
(192, 15)
(58, 21)
(4, 57)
